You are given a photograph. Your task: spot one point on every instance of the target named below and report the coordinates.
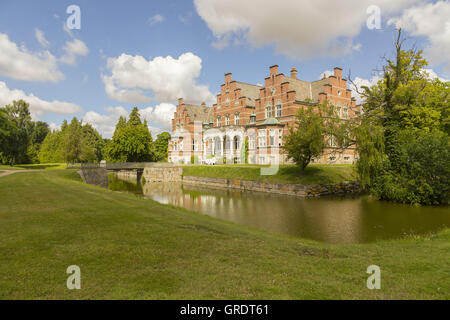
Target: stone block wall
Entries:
(343, 188)
(169, 174)
(127, 175)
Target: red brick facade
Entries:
(260, 115)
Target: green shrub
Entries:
(419, 172)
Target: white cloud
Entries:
(161, 115)
(222, 42)
(72, 49)
(123, 95)
(158, 118)
(431, 74)
(431, 21)
(166, 77)
(37, 105)
(20, 64)
(154, 131)
(326, 74)
(53, 126)
(40, 37)
(297, 28)
(157, 18)
(105, 123)
(361, 82)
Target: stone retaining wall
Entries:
(169, 174)
(343, 188)
(127, 175)
(94, 174)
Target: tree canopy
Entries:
(73, 143)
(403, 139)
(162, 146)
(132, 141)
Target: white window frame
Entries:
(332, 141)
(194, 144)
(252, 142)
(268, 111)
(272, 136)
(279, 111)
(262, 138)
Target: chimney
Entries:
(228, 78)
(294, 73)
(180, 101)
(338, 72)
(273, 70)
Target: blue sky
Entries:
(66, 72)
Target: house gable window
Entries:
(279, 110)
(268, 111)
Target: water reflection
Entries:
(324, 219)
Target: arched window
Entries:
(227, 120)
(218, 121)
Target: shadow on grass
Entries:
(38, 166)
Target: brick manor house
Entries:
(260, 115)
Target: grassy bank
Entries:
(129, 248)
(289, 174)
(40, 166)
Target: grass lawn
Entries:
(133, 248)
(290, 174)
(40, 166)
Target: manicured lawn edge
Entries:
(286, 174)
(133, 248)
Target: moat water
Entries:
(332, 220)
